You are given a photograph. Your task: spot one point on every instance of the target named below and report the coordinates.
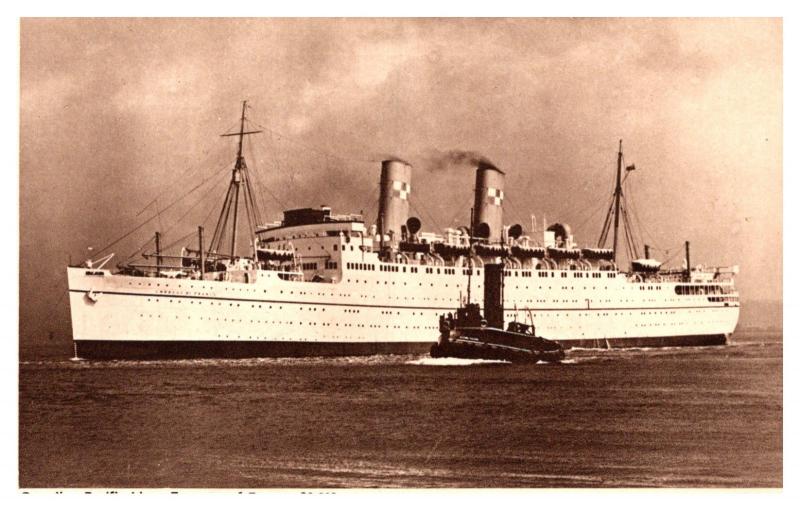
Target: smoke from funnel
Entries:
(438, 161)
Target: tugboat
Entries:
(469, 335)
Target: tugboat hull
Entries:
(496, 344)
(473, 349)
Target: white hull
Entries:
(388, 308)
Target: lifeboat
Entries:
(411, 247)
(267, 254)
(524, 252)
(597, 253)
(492, 250)
(646, 265)
(563, 253)
(451, 250)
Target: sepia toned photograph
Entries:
(440, 253)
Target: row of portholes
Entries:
(209, 302)
(509, 315)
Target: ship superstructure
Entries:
(319, 283)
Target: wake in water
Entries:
(376, 360)
(78, 363)
(454, 362)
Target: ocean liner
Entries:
(324, 284)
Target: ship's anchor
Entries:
(93, 296)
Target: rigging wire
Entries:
(591, 216)
(278, 168)
(606, 225)
(148, 220)
(630, 222)
(248, 212)
(629, 233)
(219, 230)
(642, 225)
(433, 220)
(596, 209)
(181, 178)
(251, 178)
(461, 208)
(180, 239)
(210, 212)
(515, 210)
(199, 201)
(677, 252)
(371, 200)
(273, 134)
(310, 147)
(593, 170)
(259, 185)
(138, 251)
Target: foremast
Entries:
(239, 187)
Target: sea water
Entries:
(674, 417)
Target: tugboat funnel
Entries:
(493, 295)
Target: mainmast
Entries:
(617, 196)
(240, 185)
(616, 210)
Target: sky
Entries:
(120, 118)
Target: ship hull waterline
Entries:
(231, 349)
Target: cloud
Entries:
(115, 110)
